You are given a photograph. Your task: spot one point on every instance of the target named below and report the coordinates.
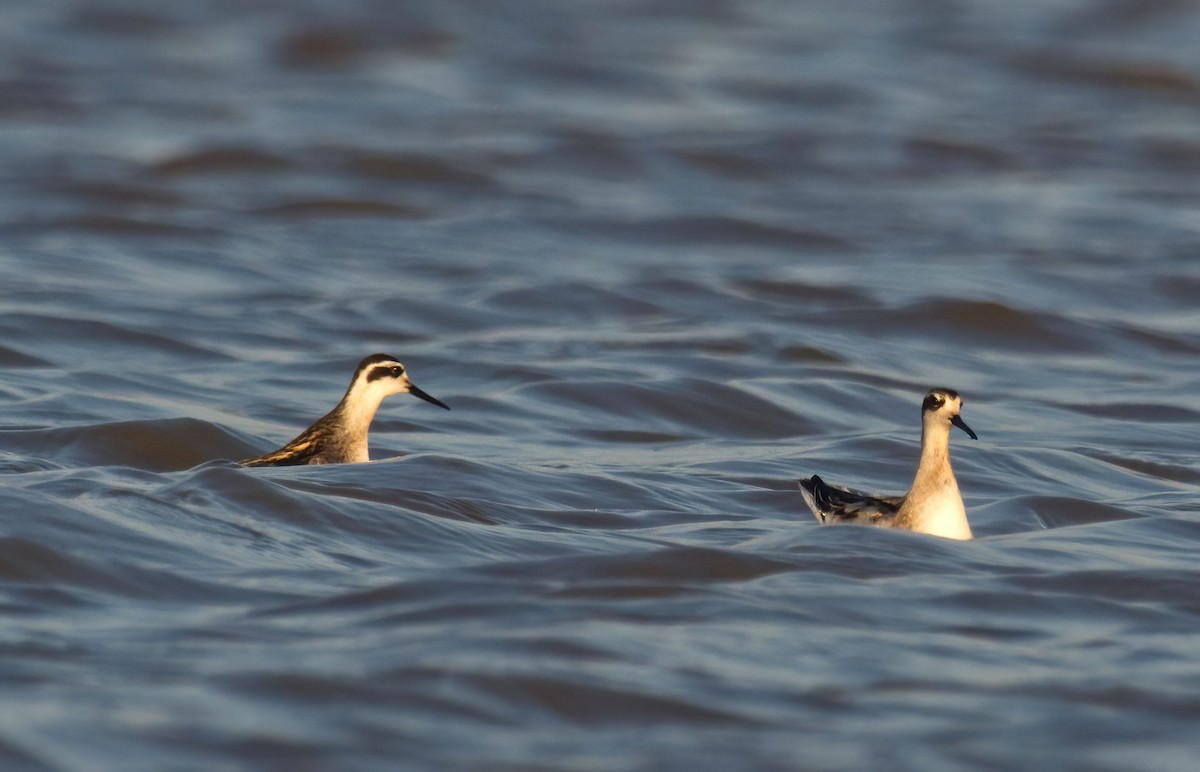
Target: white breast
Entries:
(944, 515)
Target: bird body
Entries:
(933, 503)
(340, 436)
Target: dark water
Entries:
(662, 259)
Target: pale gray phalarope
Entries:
(932, 505)
(340, 436)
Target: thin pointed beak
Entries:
(961, 424)
(413, 390)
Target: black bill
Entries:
(413, 390)
(956, 420)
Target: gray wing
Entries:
(835, 504)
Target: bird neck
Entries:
(935, 451)
(357, 409)
(934, 498)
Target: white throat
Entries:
(361, 403)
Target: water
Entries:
(662, 259)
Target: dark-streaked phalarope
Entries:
(340, 436)
(932, 505)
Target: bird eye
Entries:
(397, 372)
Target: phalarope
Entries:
(340, 436)
(932, 505)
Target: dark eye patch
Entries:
(386, 371)
(933, 402)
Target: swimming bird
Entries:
(932, 505)
(340, 436)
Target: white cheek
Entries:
(379, 389)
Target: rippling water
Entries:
(662, 259)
